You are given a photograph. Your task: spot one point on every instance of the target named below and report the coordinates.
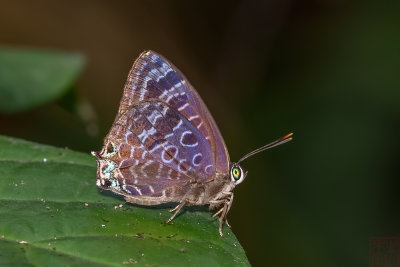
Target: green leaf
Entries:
(31, 78)
(48, 198)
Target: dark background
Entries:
(327, 70)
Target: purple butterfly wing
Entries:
(157, 149)
(168, 137)
(153, 77)
(163, 138)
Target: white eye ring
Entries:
(239, 178)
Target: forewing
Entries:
(153, 77)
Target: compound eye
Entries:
(236, 173)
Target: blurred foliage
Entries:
(29, 78)
(48, 200)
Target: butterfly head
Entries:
(237, 173)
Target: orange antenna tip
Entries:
(287, 136)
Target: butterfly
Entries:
(164, 145)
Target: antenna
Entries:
(275, 143)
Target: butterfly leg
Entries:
(176, 209)
(224, 211)
(227, 224)
(229, 204)
(221, 219)
(189, 199)
(215, 203)
(226, 202)
(229, 207)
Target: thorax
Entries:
(216, 189)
